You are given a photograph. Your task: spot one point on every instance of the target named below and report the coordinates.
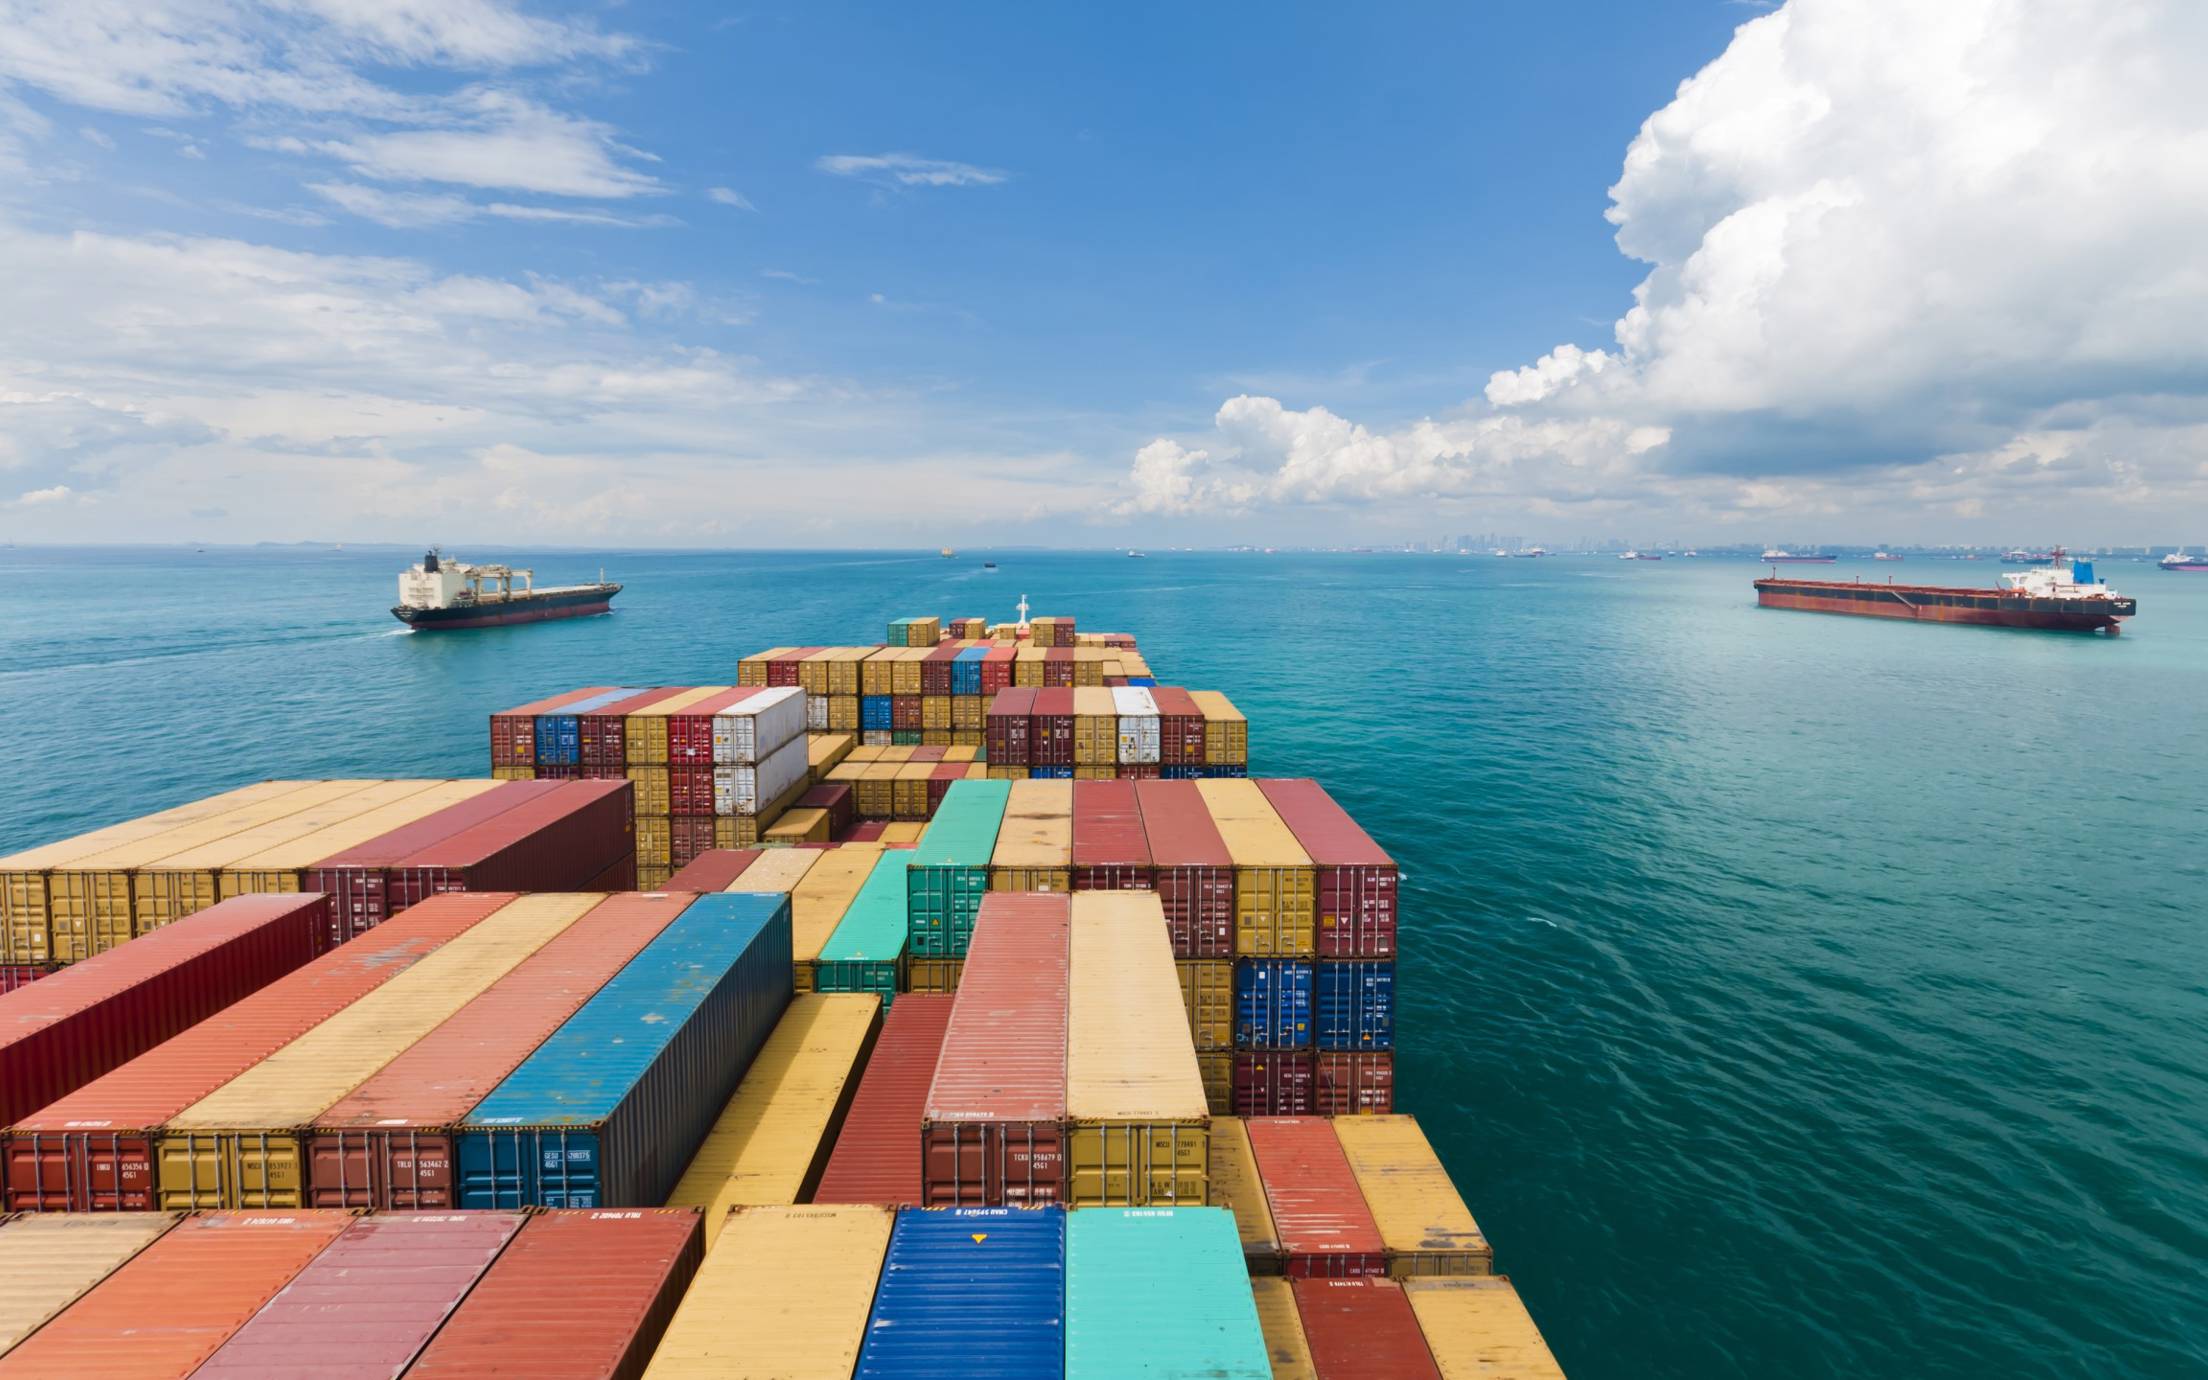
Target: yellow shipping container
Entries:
(809, 825)
(1095, 728)
(752, 670)
(650, 785)
(935, 712)
(50, 1260)
(1034, 849)
(1285, 1344)
(644, 735)
(902, 832)
(1235, 1185)
(1138, 1122)
(904, 671)
(812, 671)
(874, 672)
(653, 876)
(900, 753)
(1226, 732)
(843, 714)
(1423, 1221)
(824, 752)
(935, 737)
(1027, 667)
(655, 841)
(843, 672)
(874, 794)
(968, 753)
(969, 711)
(1274, 881)
(781, 871)
(933, 974)
(862, 754)
(818, 902)
(802, 1316)
(1100, 773)
(773, 1138)
(1217, 1068)
(283, 866)
(513, 773)
(1008, 773)
(1478, 1329)
(1207, 992)
(1133, 665)
(243, 1144)
(971, 738)
(1088, 666)
(909, 791)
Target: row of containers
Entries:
(376, 847)
(851, 1289)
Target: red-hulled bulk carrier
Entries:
(2064, 600)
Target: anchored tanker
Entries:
(2045, 597)
(444, 593)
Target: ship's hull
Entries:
(1928, 604)
(1799, 560)
(537, 608)
(2195, 567)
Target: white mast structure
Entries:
(1023, 615)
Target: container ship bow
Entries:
(2051, 598)
(441, 593)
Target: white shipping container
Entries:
(744, 790)
(755, 728)
(875, 737)
(816, 713)
(1138, 723)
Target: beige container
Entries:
(782, 870)
(1138, 1123)
(808, 825)
(1423, 1221)
(50, 1260)
(818, 902)
(1274, 881)
(1034, 849)
(1478, 1329)
(1235, 1185)
(282, 867)
(787, 1300)
(1226, 732)
(1284, 1341)
(902, 832)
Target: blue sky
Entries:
(824, 273)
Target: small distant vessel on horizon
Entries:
(948, 554)
(1641, 556)
(2019, 556)
(988, 565)
(1531, 551)
(1884, 556)
(2178, 560)
(440, 594)
(1778, 557)
(2054, 599)
(1135, 556)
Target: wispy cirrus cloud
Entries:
(910, 170)
(417, 210)
(729, 196)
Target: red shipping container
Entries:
(1110, 850)
(783, 669)
(93, 1150)
(390, 1142)
(939, 783)
(928, 752)
(1357, 880)
(837, 799)
(1008, 727)
(619, 877)
(687, 837)
(1180, 727)
(867, 831)
(1138, 771)
(1110, 681)
(690, 791)
(994, 1131)
(1050, 740)
(556, 843)
(167, 1309)
(603, 733)
(514, 731)
(15, 975)
(1274, 1082)
(712, 870)
(370, 1302)
(1058, 667)
(876, 1158)
(111, 1008)
(690, 733)
(996, 669)
(904, 712)
(1195, 873)
(1362, 1327)
(1325, 1228)
(1354, 1083)
(566, 772)
(583, 1295)
(358, 879)
(935, 670)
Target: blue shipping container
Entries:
(1272, 1003)
(608, 1111)
(1356, 1004)
(1237, 770)
(560, 736)
(1181, 773)
(1051, 773)
(1142, 680)
(966, 671)
(874, 712)
(971, 1291)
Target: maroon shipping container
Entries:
(358, 880)
(582, 1295)
(15, 975)
(603, 733)
(93, 1149)
(935, 670)
(1058, 667)
(111, 1008)
(556, 843)
(1180, 727)
(514, 731)
(939, 783)
(996, 669)
(1050, 740)
(712, 870)
(1357, 884)
(1362, 1327)
(1195, 873)
(928, 752)
(904, 712)
(372, 1299)
(1009, 725)
(687, 837)
(1325, 1228)
(994, 1133)
(867, 831)
(837, 799)
(1110, 850)
(690, 791)
(569, 771)
(1274, 1082)
(1139, 771)
(619, 877)
(1354, 1082)
(690, 733)
(876, 1158)
(783, 669)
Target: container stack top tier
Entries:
(1128, 1052)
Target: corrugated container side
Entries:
(772, 1139)
(756, 727)
(1325, 1228)
(1138, 739)
(1272, 1003)
(371, 1300)
(994, 1119)
(162, 1314)
(1273, 876)
(1423, 1221)
(1159, 1292)
(610, 1108)
(805, 1315)
(88, 1019)
(604, 731)
(1353, 1006)
(1194, 871)
(876, 1156)
(1358, 888)
(358, 880)
(1478, 1327)
(1284, 1340)
(1358, 1327)
(1207, 991)
(1235, 1186)
(950, 867)
(556, 843)
(1347, 1083)
(970, 1291)
(514, 731)
(1226, 732)
(1275, 1082)
(1110, 850)
(1138, 1122)
(50, 1260)
(283, 866)
(867, 951)
(1180, 727)
(645, 738)
(1050, 739)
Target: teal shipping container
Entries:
(950, 868)
(867, 951)
(1160, 1292)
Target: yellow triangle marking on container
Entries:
(980, 1236)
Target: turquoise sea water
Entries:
(1791, 995)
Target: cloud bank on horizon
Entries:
(1901, 257)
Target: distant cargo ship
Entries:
(441, 593)
(1884, 556)
(1642, 556)
(2071, 601)
(1777, 557)
(2178, 560)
